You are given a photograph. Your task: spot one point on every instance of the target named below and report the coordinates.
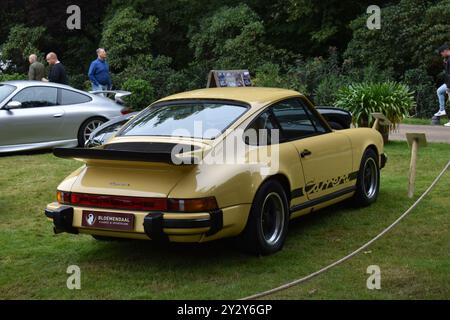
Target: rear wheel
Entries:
(87, 128)
(268, 221)
(368, 182)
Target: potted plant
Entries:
(392, 99)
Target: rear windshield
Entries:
(203, 120)
(5, 91)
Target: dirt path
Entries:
(433, 133)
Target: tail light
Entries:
(125, 111)
(192, 205)
(137, 203)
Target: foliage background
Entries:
(160, 47)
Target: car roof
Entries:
(254, 96)
(28, 83)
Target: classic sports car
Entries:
(39, 115)
(215, 163)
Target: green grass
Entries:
(414, 257)
(417, 121)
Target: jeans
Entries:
(99, 87)
(441, 96)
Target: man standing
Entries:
(444, 51)
(36, 70)
(99, 72)
(57, 71)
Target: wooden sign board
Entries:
(420, 138)
(229, 78)
(381, 119)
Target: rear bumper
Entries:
(178, 227)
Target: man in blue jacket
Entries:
(99, 72)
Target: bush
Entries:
(393, 99)
(12, 76)
(142, 93)
(425, 92)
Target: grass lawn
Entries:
(414, 257)
(417, 121)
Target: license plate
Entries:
(107, 220)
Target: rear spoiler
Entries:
(122, 155)
(118, 94)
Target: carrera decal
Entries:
(330, 183)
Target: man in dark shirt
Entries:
(444, 51)
(57, 71)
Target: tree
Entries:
(127, 37)
(410, 33)
(231, 38)
(23, 41)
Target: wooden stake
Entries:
(412, 167)
(414, 140)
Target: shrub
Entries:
(425, 92)
(12, 76)
(392, 99)
(142, 93)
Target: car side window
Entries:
(71, 97)
(294, 119)
(35, 97)
(315, 120)
(261, 131)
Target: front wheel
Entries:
(368, 182)
(268, 221)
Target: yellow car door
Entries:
(326, 155)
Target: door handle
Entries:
(305, 153)
(58, 115)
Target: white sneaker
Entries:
(440, 113)
(447, 124)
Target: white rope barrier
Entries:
(350, 255)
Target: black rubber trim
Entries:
(353, 175)
(384, 159)
(153, 226)
(216, 222)
(120, 155)
(62, 219)
(328, 197)
(297, 193)
(154, 223)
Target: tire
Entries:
(87, 128)
(335, 125)
(368, 181)
(268, 221)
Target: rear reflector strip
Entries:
(137, 203)
(119, 202)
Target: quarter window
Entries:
(262, 131)
(35, 97)
(72, 97)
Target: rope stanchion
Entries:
(350, 255)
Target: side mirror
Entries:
(13, 105)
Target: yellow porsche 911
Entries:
(215, 163)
